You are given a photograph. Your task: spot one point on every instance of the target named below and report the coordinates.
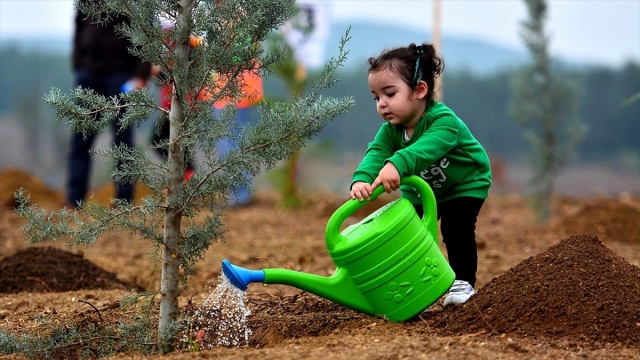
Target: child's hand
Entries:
(389, 177)
(360, 190)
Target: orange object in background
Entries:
(166, 91)
(195, 41)
(252, 87)
(252, 91)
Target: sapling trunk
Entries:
(172, 223)
(170, 262)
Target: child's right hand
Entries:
(360, 190)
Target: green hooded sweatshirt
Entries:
(441, 150)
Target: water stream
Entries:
(221, 320)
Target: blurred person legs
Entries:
(79, 157)
(244, 116)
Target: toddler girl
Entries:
(424, 137)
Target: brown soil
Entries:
(566, 290)
(47, 269)
(575, 289)
(12, 180)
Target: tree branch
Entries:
(95, 308)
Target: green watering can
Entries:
(388, 264)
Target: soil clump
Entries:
(12, 180)
(577, 289)
(609, 219)
(48, 269)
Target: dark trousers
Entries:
(458, 218)
(79, 157)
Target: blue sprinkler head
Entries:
(241, 277)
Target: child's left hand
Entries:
(389, 177)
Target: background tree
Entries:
(292, 73)
(232, 31)
(546, 107)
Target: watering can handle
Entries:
(429, 217)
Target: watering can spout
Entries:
(239, 276)
(338, 288)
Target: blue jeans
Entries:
(243, 117)
(79, 158)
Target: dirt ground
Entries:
(566, 290)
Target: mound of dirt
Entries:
(577, 289)
(47, 269)
(609, 219)
(13, 179)
(103, 194)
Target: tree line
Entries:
(480, 100)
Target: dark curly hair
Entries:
(412, 63)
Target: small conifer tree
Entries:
(546, 107)
(232, 31)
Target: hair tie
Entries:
(417, 73)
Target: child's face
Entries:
(396, 102)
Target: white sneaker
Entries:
(459, 293)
